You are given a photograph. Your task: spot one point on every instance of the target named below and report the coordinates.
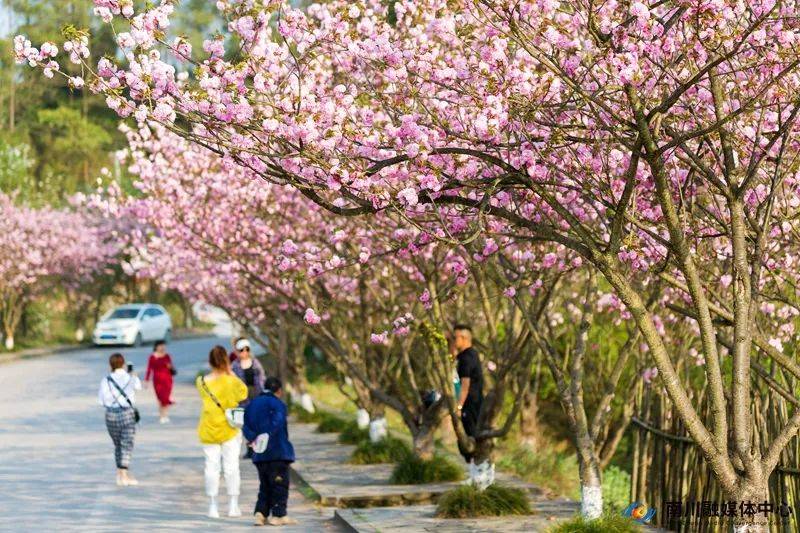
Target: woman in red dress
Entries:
(160, 368)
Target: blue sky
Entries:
(6, 25)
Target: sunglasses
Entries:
(245, 349)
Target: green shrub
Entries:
(467, 501)
(388, 450)
(352, 434)
(616, 489)
(412, 470)
(608, 523)
(329, 423)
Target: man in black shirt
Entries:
(470, 375)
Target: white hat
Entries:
(242, 344)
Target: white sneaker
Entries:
(213, 512)
(233, 507)
(131, 481)
(163, 420)
(120, 481)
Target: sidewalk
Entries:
(56, 458)
(377, 505)
(422, 518)
(323, 465)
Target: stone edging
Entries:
(346, 518)
(45, 351)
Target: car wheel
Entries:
(138, 340)
(168, 335)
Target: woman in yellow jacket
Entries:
(220, 390)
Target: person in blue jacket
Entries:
(267, 413)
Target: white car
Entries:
(133, 324)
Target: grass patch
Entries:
(327, 393)
(412, 470)
(388, 450)
(556, 471)
(352, 434)
(329, 423)
(467, 501)
(304, 416)
(608, 523)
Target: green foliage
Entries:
(546, 467)
(195, 21)
(391, 13)
(411, 470)
(388, 450)
(434, 338)
(70, 146)
(330, 423)
(352, 434)
(467, 501)
(44, 323)
(67, 141)
(616, 489)
(16, 163)
(608, 523)
(317, 365)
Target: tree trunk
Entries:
(447, 433)
(752, 491)
(378, 428)
(12, 103)
(12, 314)
(297, 368)
(481, 468)
(282, 355)
(424, 443)
(188, 315)
(306, 402)
(528, 420)
(362, 418)
(591, 485)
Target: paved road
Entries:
(56, 459)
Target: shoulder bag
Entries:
(234, 415)
(136, 415)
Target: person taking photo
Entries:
(118, 395)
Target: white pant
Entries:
(226, 457)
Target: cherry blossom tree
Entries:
(41, 249)
(357, 286)
(655, 140)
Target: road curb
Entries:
(35, 353)
(340, 517)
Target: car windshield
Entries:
(124, 313)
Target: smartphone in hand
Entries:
(130, 368)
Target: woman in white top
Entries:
(117, 395)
